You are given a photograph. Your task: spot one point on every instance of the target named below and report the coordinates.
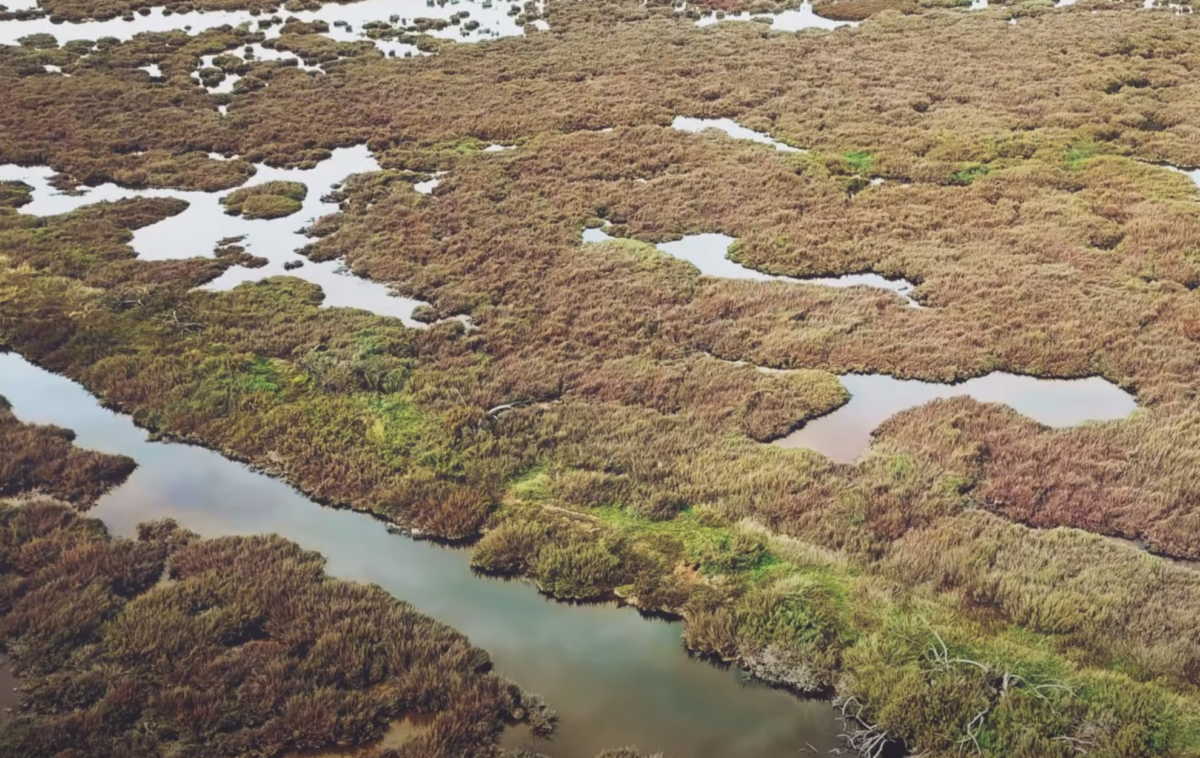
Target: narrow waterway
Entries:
(709, 253)
(615, 677)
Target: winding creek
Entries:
(709, 254)
(844, 434)
(615, 677)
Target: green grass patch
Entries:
(531, 486)
(394, 424)
(260, 375)
(860, 160)
(1079, 152)
(969, 174)
(715, 549)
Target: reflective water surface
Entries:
(708, 253)
(197, 230)
(493, 17)
(255, 53)
(792, 20)
(615, 677)
(732, 128)
(845, 434)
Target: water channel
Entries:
(709, 253)
(615, 677)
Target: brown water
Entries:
(845, 434)
(398, 733)
(615, 677)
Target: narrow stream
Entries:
(708, 252)
(615, 677)
(845, 434)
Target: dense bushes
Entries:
(242, 647)
(14, 194)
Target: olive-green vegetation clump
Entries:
(266, 200)
(605, 426)
(15, 194)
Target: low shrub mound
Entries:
(42, 459)
(223, 647)
(15, 194)
(267, 200)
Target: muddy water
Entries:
(616, 678)
(196, 230)
(708, 253)
(845, 434)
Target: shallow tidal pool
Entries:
(845, 434)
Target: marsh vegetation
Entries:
(227, 646)
(577, 657)
(953, 587)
